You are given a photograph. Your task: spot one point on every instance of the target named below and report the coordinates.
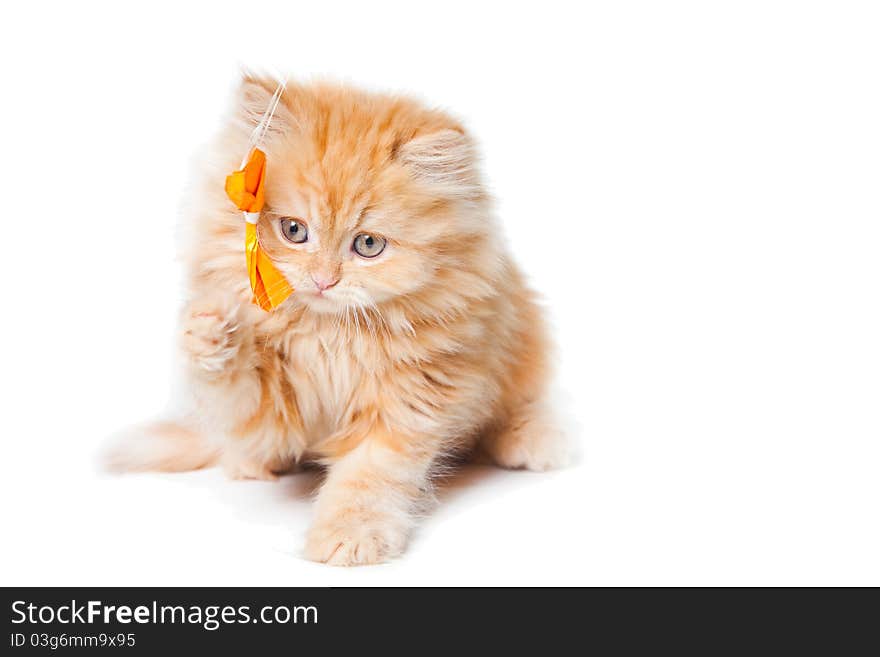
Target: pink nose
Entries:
(324, 281)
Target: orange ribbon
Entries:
(245, 188)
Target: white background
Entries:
(692, 186)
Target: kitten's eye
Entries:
(294, 231)
(368, 246)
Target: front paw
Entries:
(354, 539)
(210, 334)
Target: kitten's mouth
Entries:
(321, 301)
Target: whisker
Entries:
(357, 324)
(374, 310)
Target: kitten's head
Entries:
(369, 198)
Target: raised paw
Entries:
(209, 335)
(354, 540)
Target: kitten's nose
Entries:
(324, 280)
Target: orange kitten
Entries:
(410, 335)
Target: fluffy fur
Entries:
(433, 348)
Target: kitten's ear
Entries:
(253, 98)
(446, 160)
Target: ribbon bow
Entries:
(245, 188)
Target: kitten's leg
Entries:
(223, 375)
(366, 507)
(213, 339)
(531, 439)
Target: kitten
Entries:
(410, 336)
